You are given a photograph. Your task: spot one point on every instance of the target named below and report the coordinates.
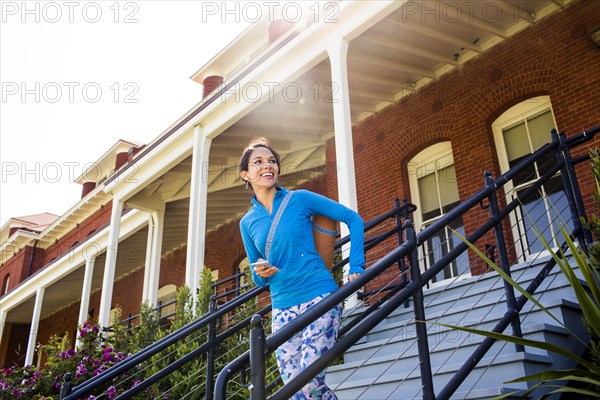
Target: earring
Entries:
(247, 185)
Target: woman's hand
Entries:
(266, 270)
(352, 277)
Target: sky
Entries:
(77, 76)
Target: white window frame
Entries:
(510, 117)
(441, 150)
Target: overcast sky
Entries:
(79, 75)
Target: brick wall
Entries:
(172, 267)
(16, 267)
(77, 235)
(555, 58)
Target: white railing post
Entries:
(111, 263)
(155, 252)
(86, 291)
(35, 323)
(197, 213)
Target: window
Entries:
(5, 283)
(166, 301)
(518, 132)
(434, 190)
(114, 319)
(244, 267)
(214, 275)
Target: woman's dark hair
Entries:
(255, 143)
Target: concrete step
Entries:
(441, 353)
(458, 315)
(407, 385)
(487, 290)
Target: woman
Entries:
(285, 257)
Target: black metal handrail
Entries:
(160, 345)
(418, 280)
(132, 317)
(237, 287)
(215, 286)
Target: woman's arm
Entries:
(253, 255)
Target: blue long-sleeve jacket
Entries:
(302, 273)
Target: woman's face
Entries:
(262, 169)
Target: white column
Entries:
(35, 323)
(86, 291)
(153, 253)
(2, 322)
(111, 263)
(342, 122)
(148, 264)
(197, 215)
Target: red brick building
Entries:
(435, 96)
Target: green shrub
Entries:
(93, 355)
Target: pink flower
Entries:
(67, 354)
(112, 392)
(81, 370)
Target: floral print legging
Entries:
(306, 346)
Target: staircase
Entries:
(385, 363)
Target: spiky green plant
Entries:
(587, 373)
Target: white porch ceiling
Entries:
(410, 48)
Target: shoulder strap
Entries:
(275, 222)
